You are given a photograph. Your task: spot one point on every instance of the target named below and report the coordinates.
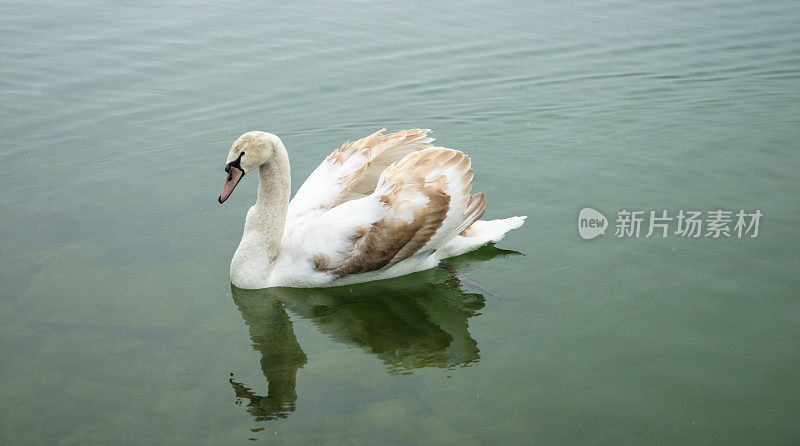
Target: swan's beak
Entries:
(234, 175)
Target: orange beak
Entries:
(234, 175)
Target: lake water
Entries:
(118, 322)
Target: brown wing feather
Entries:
(475, 209)
(385, 150)
(352, 170)
(382, 150)
(417, 200)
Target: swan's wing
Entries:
(352, 171)
(419, 204)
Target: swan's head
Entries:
(248, 152)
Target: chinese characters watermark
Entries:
(686, 224)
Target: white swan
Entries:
(379, 207)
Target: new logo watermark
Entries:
(591, 223)
(718, 223)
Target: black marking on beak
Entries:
(235, 163)
(234, 176)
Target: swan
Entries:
(383, 206)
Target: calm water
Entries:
(118, 323)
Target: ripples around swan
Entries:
(116, 318)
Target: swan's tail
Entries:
(493, 230)
(480, 233)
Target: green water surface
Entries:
(118, 322)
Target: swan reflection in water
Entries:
(409, 322)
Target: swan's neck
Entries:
(263, 228)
